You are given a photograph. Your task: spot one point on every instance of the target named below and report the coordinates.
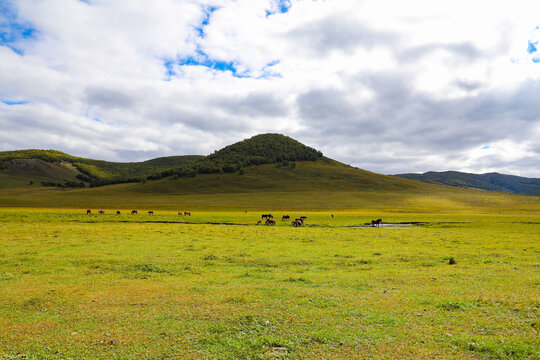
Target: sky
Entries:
(389, 86)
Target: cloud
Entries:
(390, 87)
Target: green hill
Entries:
(489, 181)
(268, 171)
(55, 168)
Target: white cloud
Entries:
(389, 86)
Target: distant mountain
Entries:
(489, 181)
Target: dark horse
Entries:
(187, 213)
(270, 221)
(285, 217)
(88, 212)
(150, 212)
(133, 212)
(266, 216)
(377, 222)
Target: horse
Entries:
(187, 213)
(133, 212)
(259, 222)
(180, 213)
(377, 223)
(296, 223)
(101, 211)
(266, 216)
(285, 217)
(88, 212)
(270, 221)
(299, 220)
(150, 212)
(118, 212)
(303, 217)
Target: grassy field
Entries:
(155, 287)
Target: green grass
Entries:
(116, 287)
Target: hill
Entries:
(55, 168)
(489, 181)
(268, 171)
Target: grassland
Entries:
(165, 286)
(154, 287)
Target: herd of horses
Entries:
(134, 212)
(271, 221)
(269, 218)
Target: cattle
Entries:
(88, 212)
(285, 217)
(187, 213)
(133, 212)
(270, 221)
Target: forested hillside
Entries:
(257, 150)
(89, 172)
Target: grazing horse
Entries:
(285, 217)
(150, 212)
(101, 211)
(268, 216)
(118, 212)
(296, 223)
(133, 212)
(270, 221)
(187, 213)
(299, 220)
(377, 223)
(88, 212)
(303, 217)
(180, 213)
(259, 222)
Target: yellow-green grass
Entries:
(150, 287)
(309, 186)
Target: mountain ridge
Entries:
(488, 181)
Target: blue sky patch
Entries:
(532, 48)
(208, 11)
(12, 30)
(280, 7)
(485, 147)
(14, 102)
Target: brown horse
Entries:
(101, 211)
(377, 223)
(187, 213)
(88, 212)
(285, 217)
(300, 220)
(133, 212)
(270, 221)
(259, 222)
(296, 223)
